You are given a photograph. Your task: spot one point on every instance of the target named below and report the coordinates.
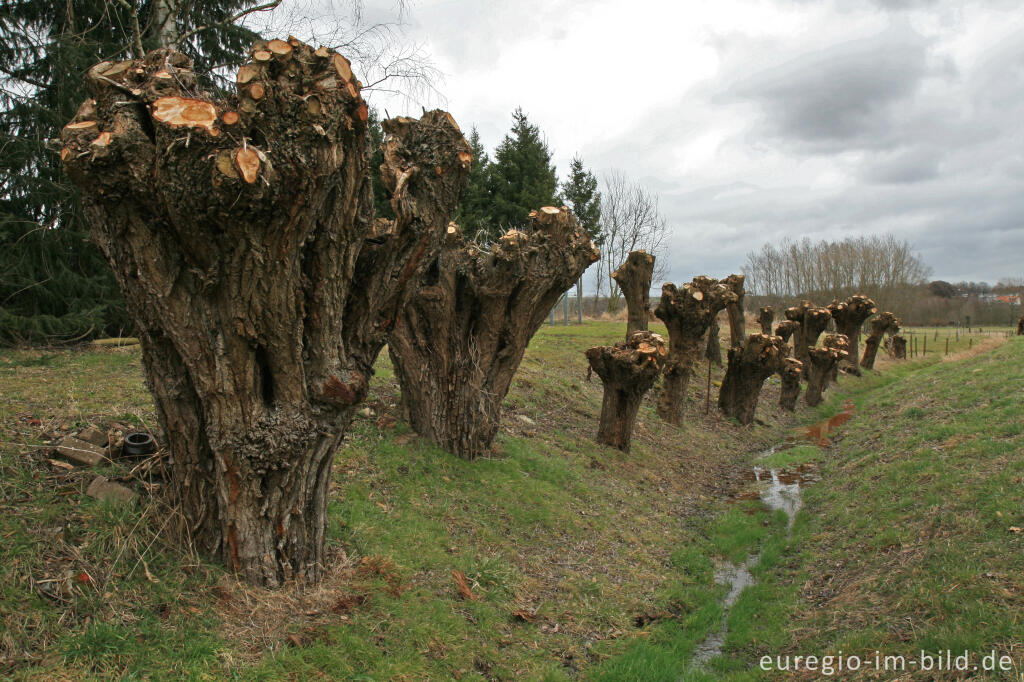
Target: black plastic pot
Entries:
(138, 444)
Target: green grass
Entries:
(610, 556)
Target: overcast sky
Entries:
(758, 120)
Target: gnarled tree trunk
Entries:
(820, 365)
(749, 365)
(634, 278)
(458, 343)
(897, 347)
(1020, 327)
(886, 323)
(791, 375)
(850, 316)
(713, 352)
(628, 370)
(786, 330)
(241, 233)
(687, 312)
(813, 321)
(737, 323)
(765, 318)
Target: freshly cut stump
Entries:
(850, 316)
(628, 370)
(749, 365)
(765, 318)
(245, 260)
(821, 364)
(457, 345)
(791, 375)
(886, 323)
(634, 278)
(688, 313)
(788, 329)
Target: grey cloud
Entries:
(840, 97)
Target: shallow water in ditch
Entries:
(777, 490)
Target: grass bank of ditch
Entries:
(578, 561)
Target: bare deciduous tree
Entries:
(631, 221)
(881, 267)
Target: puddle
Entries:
(738, 578)
(781, 492)
(778, 489)
(818, 433)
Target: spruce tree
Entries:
(521, 177)
(54, 285)
(579, 191)
(475, 211)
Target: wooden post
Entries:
(970, 343)
(924, 345)
(565, 297)
(947, 345)
(579, 301)
(707, 395)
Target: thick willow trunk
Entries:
(1020, 327)
(792, 376)
(786, 330)
(886, 323)
(850, 316)
(634, 278)
(821, 364)
(458, 343)
(628, 370)
(737, 323)
(713, 352)
(898, 347)
(241, 234)
(758, 358)
(687, 312)
(765, 318)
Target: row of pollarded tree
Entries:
(630, 368)
(263, 301)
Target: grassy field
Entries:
(581, 562)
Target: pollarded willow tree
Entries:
(812, 321)
(821, 363)
(737, 323)
(627, 369)
(886, 323)
(850, 316)
(242, 236)
(634, 279)
(750, 364)
(459, 342)
(791, 375)
(765, 318)
(687, 312)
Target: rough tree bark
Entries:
(241, 233)
(628, 370)
(687, 312)
(1020, 327)
(737, 323)
(886, 323)
(897, 346)
(458, 343)
(634, 279)
(820, 364)
(850, 316)
(791, 374)
(765, 317)
(749, 365)
(786, 330)
(813, 321)
(713, 352)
